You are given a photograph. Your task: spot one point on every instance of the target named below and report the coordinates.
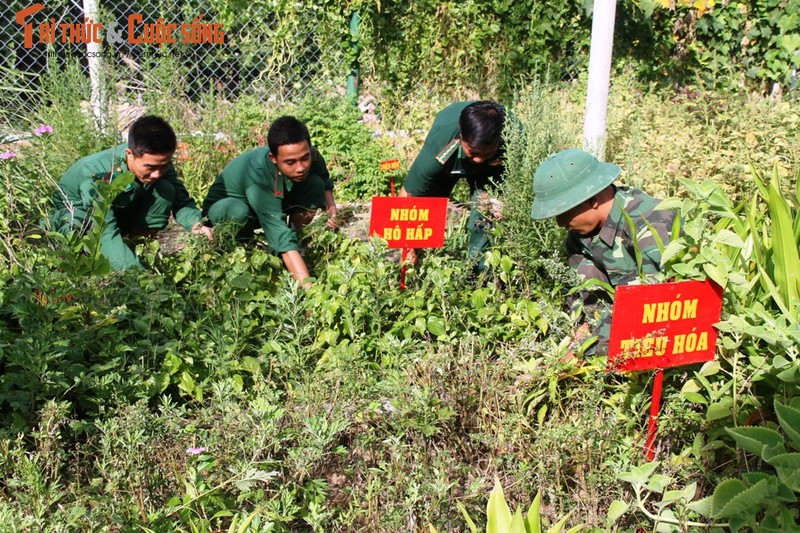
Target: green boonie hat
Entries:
(568, 178)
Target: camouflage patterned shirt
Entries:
(610, 256)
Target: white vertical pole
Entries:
(594, 126)
(94, 59)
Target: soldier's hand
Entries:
(581, 333)
(496, 208)
(333, 220)
(411, 257)
(200, 229)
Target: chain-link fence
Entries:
(192, 47)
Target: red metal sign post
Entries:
(390, 165)
(659, 326)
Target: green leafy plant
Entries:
(763, 500)
(759, 500)
(500, 520)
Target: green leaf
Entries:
(159, 383)
(689, 491)
(472, 527)
(616, 510)
(647, 469)
(728, 238)
(717, 411)
(788, 468)
(667, 522)
(710, 368)
(541, 414)
(756, 439)
(517, 523)
(658, 483)
(186, 383)
(498, 515)
(435, 325)
(558, 526)
(789, 418)
(479, 297)
(717, 272)
(639, 475)
(702, 506)
(731, 498)
(242, 281)
(251, 364)
(672, 249)
(695, 397)
(669, 204)
(785, 257)
(533, 520)
(790, 375)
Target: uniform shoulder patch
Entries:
(448, 150)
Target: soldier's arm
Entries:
(320, 168)
(653, 238)
(281, 239)
(184, 208)
(113, 247)
(590, 302)
(297, 266)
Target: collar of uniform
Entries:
(289, 183)
(119, 165)
(610, 229)
(281, 183)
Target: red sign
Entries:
(409, 222)
(664, 325)
(390, 164)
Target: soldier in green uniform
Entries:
(264, 187)
(464, 142)
(145, 204)
(577, 189)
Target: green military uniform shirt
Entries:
(441, 162)
(255, 180)
(610, 256)
(137, 207)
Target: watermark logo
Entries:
(134, 31)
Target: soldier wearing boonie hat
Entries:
(578, 190)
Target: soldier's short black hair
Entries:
(151, 135)
(286, 130)
(481, 123)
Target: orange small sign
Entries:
(390, 164)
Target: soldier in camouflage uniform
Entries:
(143, 207)
(464, 142)
(577, 189)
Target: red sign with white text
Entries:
(664, 325)
(409, 222)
